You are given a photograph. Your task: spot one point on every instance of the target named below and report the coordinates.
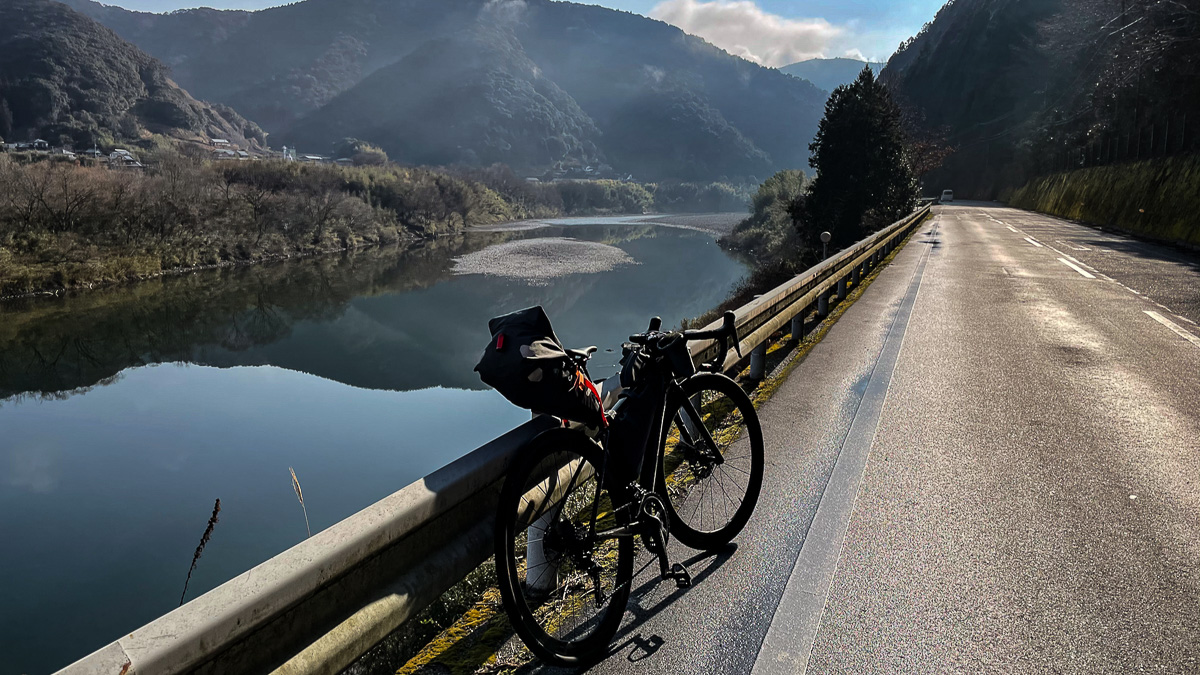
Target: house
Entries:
(63, 152)
(126, 163)
(344, 161)
(39, 144)
(242, 154)
(224, 154)
(219, 143)
(311, 158)
(93, 153)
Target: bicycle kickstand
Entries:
(683, 578)
(654, 535)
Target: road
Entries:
(990, 464)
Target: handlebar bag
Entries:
(527, 364)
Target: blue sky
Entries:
(771, 32)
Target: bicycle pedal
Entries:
(683, 578)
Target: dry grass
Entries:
(212, 523)
(300, 496)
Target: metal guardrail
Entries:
(318, 606)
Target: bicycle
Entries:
(682, 456)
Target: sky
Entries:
(771, 32)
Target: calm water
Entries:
(124, 414)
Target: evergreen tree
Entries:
(6, 119)
(864, 180)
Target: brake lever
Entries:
(731, 329)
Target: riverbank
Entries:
(718, 224)
(66, 227)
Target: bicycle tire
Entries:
(687, 479)
(543, 618)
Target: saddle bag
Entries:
(527, 364)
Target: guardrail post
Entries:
(856, 275)
(798, 327)
(758, 362)
(823, 305)
(841, 289)
(535, 556)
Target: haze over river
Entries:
(125, 413)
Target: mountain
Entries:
(1022, 87)
(829, 74)
(539, 83)
(484, 102)
(68, 79)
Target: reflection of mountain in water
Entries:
(384, 319)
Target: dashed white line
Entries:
(1011, 228)
(1072, 246)
(1084, 273)
(1081, 264)
(1033, 241)
(1174, 327)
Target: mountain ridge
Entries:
(1023, 88)
(284, 65)
(71, 80)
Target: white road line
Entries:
(787, 646)
(1072, 246)
(1034, 242)
(1011, 228)
(1174, 327)
(1081, 264)
(1084, 273)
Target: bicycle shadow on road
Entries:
(628, 641)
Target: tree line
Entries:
(63, 225)
(867, 162)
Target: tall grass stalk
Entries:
(300, 496)
(212, 522)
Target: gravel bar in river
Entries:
(537, 261)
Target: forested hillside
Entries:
(483, 102)
(552, 80)
(70, 80)
(1026, 87)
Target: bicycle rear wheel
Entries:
(710, 461)
(564, 591)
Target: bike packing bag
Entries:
(526, 363)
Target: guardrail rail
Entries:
(321, 604)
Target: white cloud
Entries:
(742, 28)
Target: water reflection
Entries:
(383, 319)
(124, 413)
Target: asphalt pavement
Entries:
(991, 463)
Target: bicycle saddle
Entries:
(583, 354)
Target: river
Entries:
(125, 413)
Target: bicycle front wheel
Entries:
(564, 588)
(710, 460)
